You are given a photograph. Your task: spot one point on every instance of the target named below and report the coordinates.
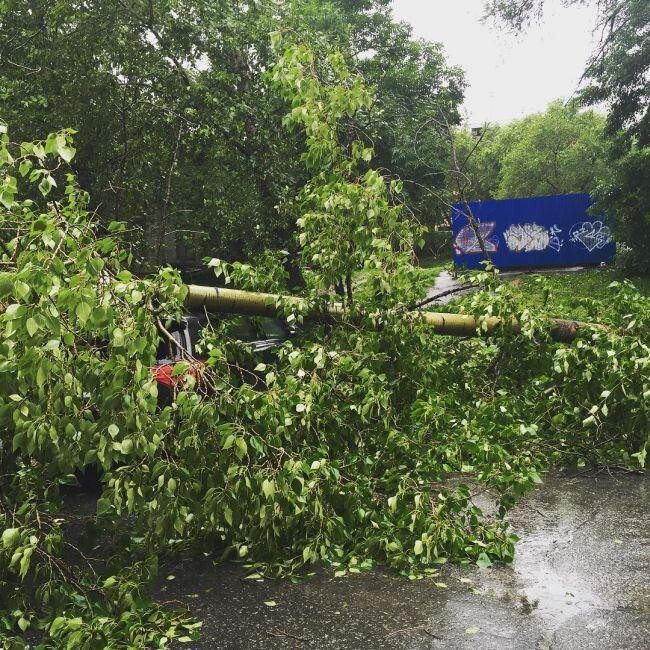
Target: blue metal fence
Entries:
(536, 231)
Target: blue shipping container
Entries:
(530, 232)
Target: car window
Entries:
(243, 328)
(273, 328)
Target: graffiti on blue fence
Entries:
(537, 231)
(527, 237)
(593, 235)
(466, 240)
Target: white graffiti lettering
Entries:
(528, 237)
(590, 234)
(554, 241)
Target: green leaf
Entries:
(32, 326)
(7, 199)
(24, 167)
(268, 488)
(25, 562)
(12, 311)
(67, 152)
(10, 537)
(180, 368)
(118, 337)
(242, 447)
(83, 311)
(51, 143)
(483, 561)
(57, 624)
(641, 456)
(46, 185)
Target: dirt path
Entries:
(579, 581)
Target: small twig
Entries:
(539, 512)
(289, 635)
(584, 521)
(24, 67)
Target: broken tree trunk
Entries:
(234, 301)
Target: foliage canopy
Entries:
(335, 452)
(560, 151)
(179, 132)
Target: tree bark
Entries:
(251, 303)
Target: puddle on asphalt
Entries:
(551, 593)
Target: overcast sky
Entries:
(508, 76)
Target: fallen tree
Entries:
(235, 301)
(355, 445)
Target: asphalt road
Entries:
(580, 580)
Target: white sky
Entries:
(508, 76)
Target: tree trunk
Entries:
(251, 303)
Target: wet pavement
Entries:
(580, 580)
(446, 282)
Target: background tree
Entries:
(179, 132)
(625, 193)
(484, 153)
(560, 151)
(618, 75)
(413, 85)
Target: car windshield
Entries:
(256, 328)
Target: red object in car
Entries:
(164, 373)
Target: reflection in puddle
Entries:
(556, 594)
